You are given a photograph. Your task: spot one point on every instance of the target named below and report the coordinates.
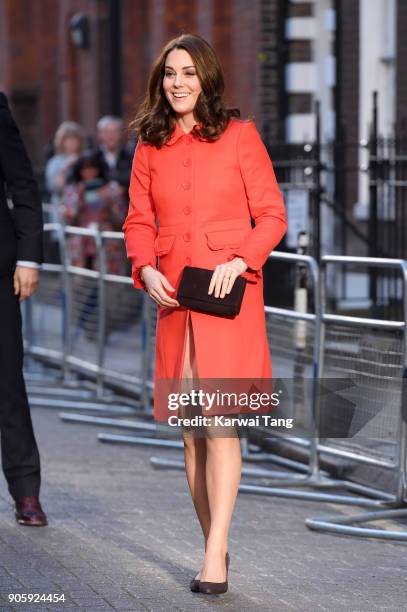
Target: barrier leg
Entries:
(343, 524)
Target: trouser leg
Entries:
(19, 452)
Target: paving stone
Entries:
(122, 536)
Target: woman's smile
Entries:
(179, 95)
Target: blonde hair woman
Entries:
(69, 143)
(203, 173)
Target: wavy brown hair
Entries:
(155, 119)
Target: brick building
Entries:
(49, 78)
(278, 56)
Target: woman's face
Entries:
(181, 84)
(71, 145)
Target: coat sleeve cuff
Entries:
(135, 273)
(252, 273)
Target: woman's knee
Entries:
(194, 445)
(220, 438)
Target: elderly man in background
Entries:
(113, 151)
(20, 259)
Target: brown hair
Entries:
(155, 119)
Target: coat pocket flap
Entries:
(163, 244)
(219, 239)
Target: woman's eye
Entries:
(170, 74)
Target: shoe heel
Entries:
(216, 588)
(194, 585)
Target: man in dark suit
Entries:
(20, 260)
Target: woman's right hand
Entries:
(156, 285)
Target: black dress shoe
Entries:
(29, 512)
(215, 588)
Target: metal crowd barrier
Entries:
(315, 479)
(82, 321)
(93, 323)
(395, 507)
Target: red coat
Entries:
(203, 195)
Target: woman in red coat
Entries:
(202, 174)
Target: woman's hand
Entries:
(224, 276)
(156, 284)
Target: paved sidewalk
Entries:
(124, 537)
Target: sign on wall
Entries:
(297, 206)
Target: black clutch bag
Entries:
(193, 293)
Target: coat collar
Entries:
(177, 133)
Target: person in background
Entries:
(93, 200)
(112, 150)
(68, 145)
(21, 252)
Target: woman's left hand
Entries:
(224, 276)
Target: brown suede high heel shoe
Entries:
(215, 588)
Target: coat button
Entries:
(187, 210)
(187, 237)
(186, 185)
(187, 161)
(188, 260)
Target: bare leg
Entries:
(213, 467)
(223, 472)
(195, 451)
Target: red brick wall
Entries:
(50, 80)
(229, 26)
(136, 54)
(47, 79)
(22, 72)
(245, 58)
